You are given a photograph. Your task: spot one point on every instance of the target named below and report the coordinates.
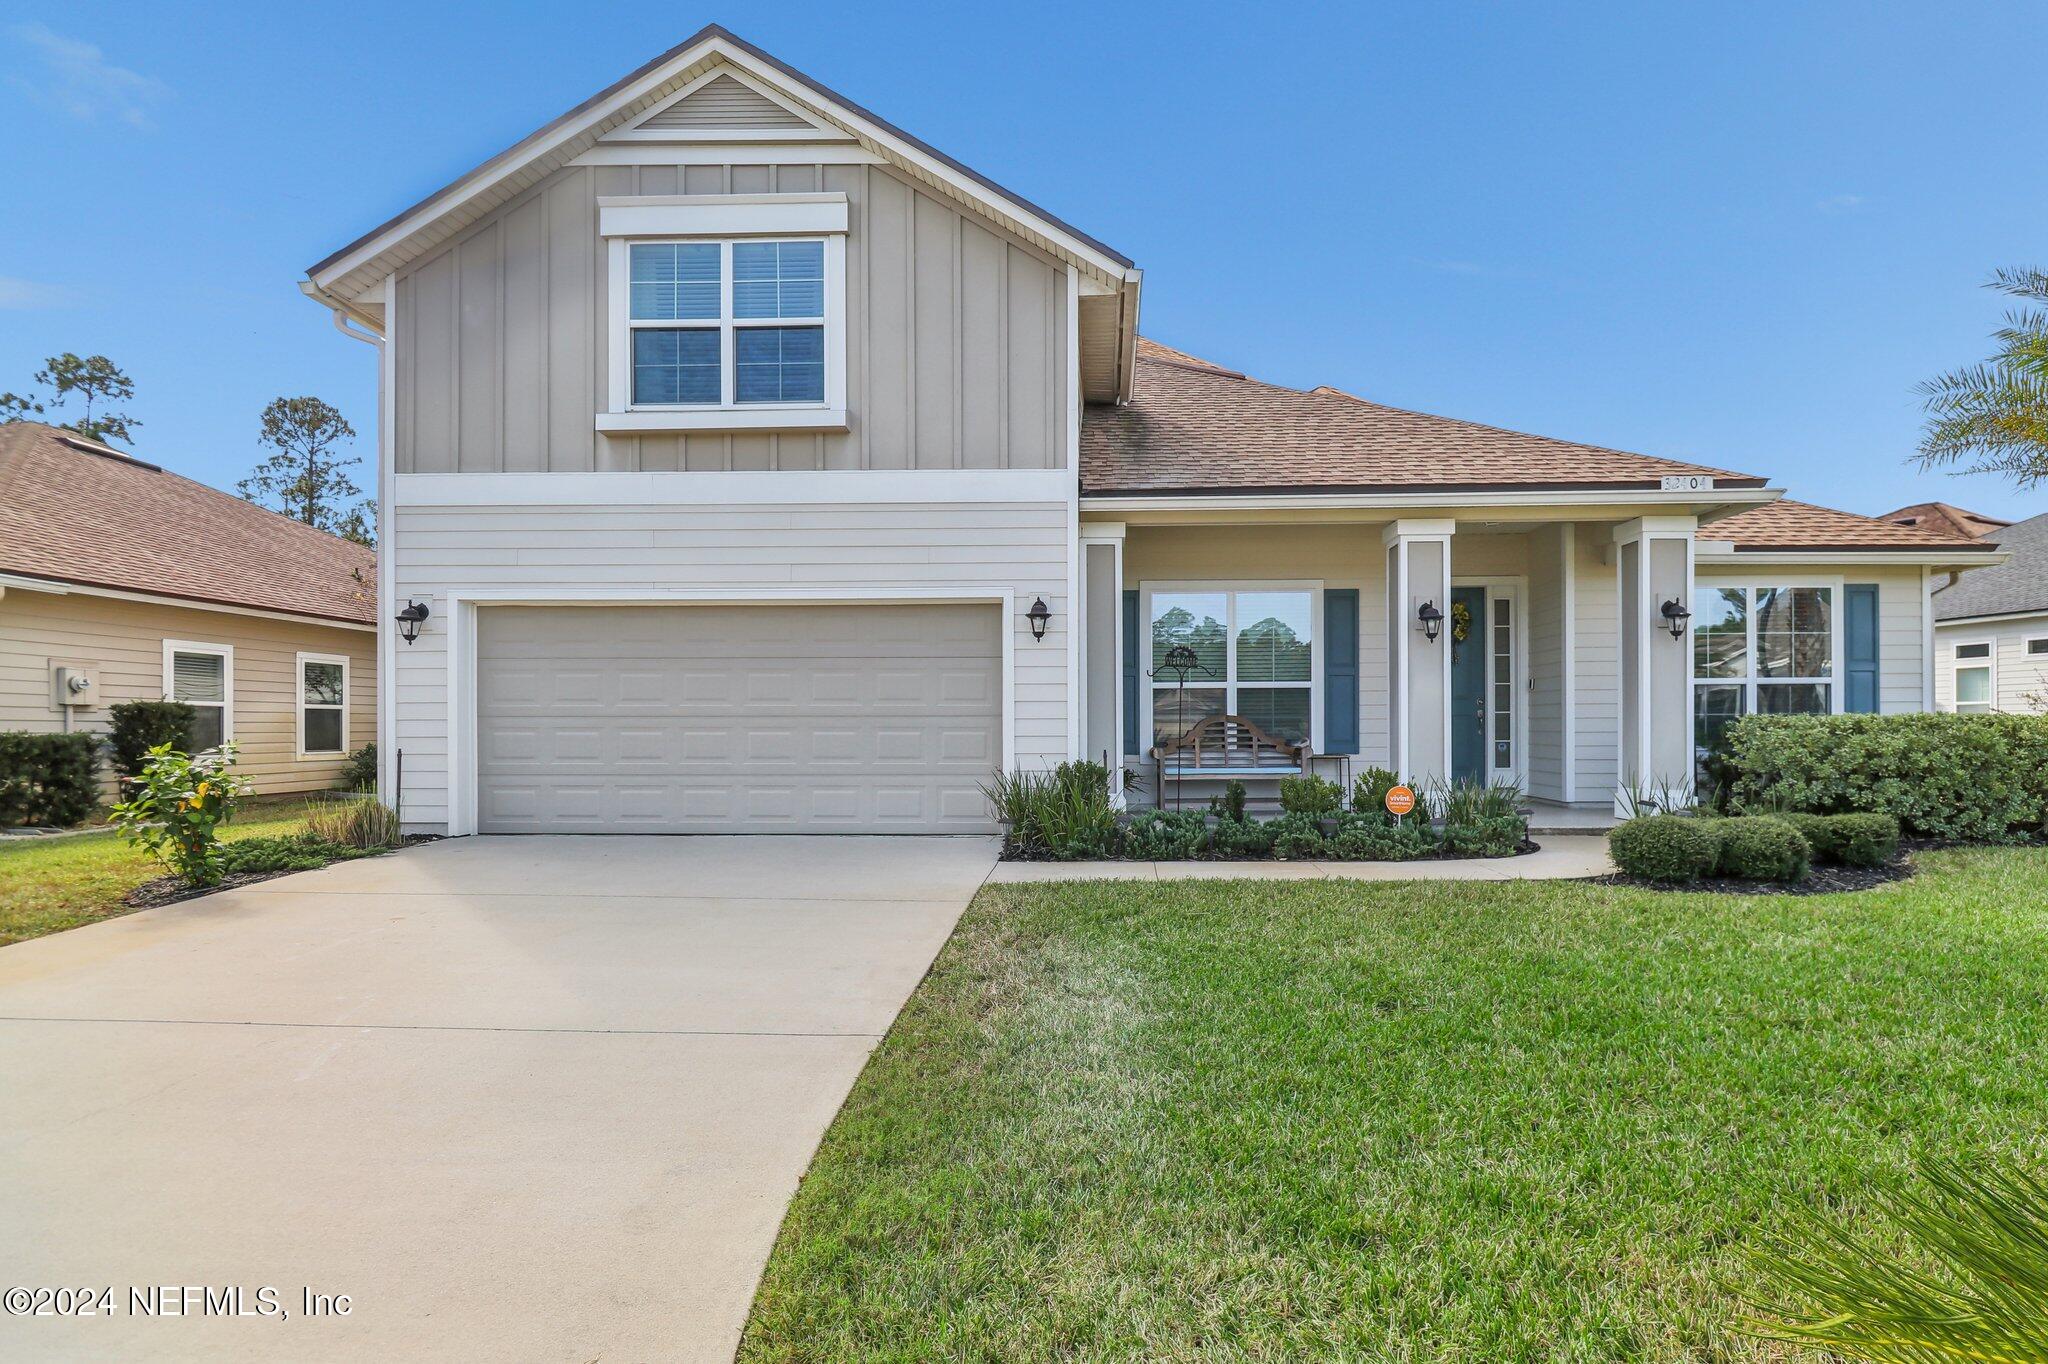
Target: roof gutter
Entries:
(1948, 557)
(344, 308)
(1725, 500)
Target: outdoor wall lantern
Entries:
(1038, 615)
(1675, 616)
(409, 620)
(1431, 618)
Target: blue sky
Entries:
(1733, 233)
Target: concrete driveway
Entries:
(517, 1098)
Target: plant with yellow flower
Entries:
(177, 805)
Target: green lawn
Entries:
(51, 884)
(1456, 1121)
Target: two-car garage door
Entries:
(737, 719)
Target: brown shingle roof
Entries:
(1192, 427)
(80, 513)
(1786, 524)
(1945, 518)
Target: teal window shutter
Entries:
(1859, 642)
(1340, 670)
(1130, 671)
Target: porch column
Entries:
(1101, 642)
(1418, 668)
(1653, 556)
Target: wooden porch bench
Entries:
(1228, 748)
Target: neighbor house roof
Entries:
(1193, 426)
(1942, 516)
(1786, 524)
(2019, 586)
(75, 511)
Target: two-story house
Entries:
(759, 467)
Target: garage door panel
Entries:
(735, 719)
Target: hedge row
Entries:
(1977, 778)
(1675, 849)
(48, 779)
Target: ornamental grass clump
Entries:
(1064, 813)
(367, 824)
(177, 806)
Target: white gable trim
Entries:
(615, 107)
(813, 131)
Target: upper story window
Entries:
(727, 323)
(728, 312)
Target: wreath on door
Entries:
(1461, 622)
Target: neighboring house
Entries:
(1946, 519)
(762, 468)
(1991, 627)
(138, 584)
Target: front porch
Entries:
(1545, 669)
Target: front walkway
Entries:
(526, 1099)
(1561, 858)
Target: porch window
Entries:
(1256, 648)
(1759, 651)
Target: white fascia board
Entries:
(722, 215)
(1821, 558)
(554, 138)
(1991, 618)
(55, 588)
(781, 153)
(1476, 503)
(827, 486)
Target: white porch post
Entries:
(1419, 669)
(1654, 558)
(1100, 639)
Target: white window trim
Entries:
(723, 220)
(1316, 692)
(299, 705)
(1836, 683)
(1958, 665)
(2027, 649)
(226, 653)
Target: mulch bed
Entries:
(170, 890)
(1819, 881)
(1010, 854)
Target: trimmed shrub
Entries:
(1157, 836)
(1312, 796)
(1820, 833)
(48, 780)
(1298, 836)
(1761, 848)
(361, 772)
(1670, 849)
(1237, 840)
(1969, 777)
(1369, 790)
(1362, 838)
(135, 727)
(1865, 840)
(1485, 836)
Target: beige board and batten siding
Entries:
(957, 337)
(846, 549)
(124, 641)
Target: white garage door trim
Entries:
(462, 611)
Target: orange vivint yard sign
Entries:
(1400, 800)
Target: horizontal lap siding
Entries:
(124, 640)
(2021, 678)
(982, 547)
(956, 338)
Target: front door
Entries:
(1485, 666)
(1468, 683)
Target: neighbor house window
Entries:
(1973, 679)
(1759, 651)
(2037, 648)
(203, 677)
(323, 705)
(726, 323)
(1256, 647)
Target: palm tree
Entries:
(1996, 414)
